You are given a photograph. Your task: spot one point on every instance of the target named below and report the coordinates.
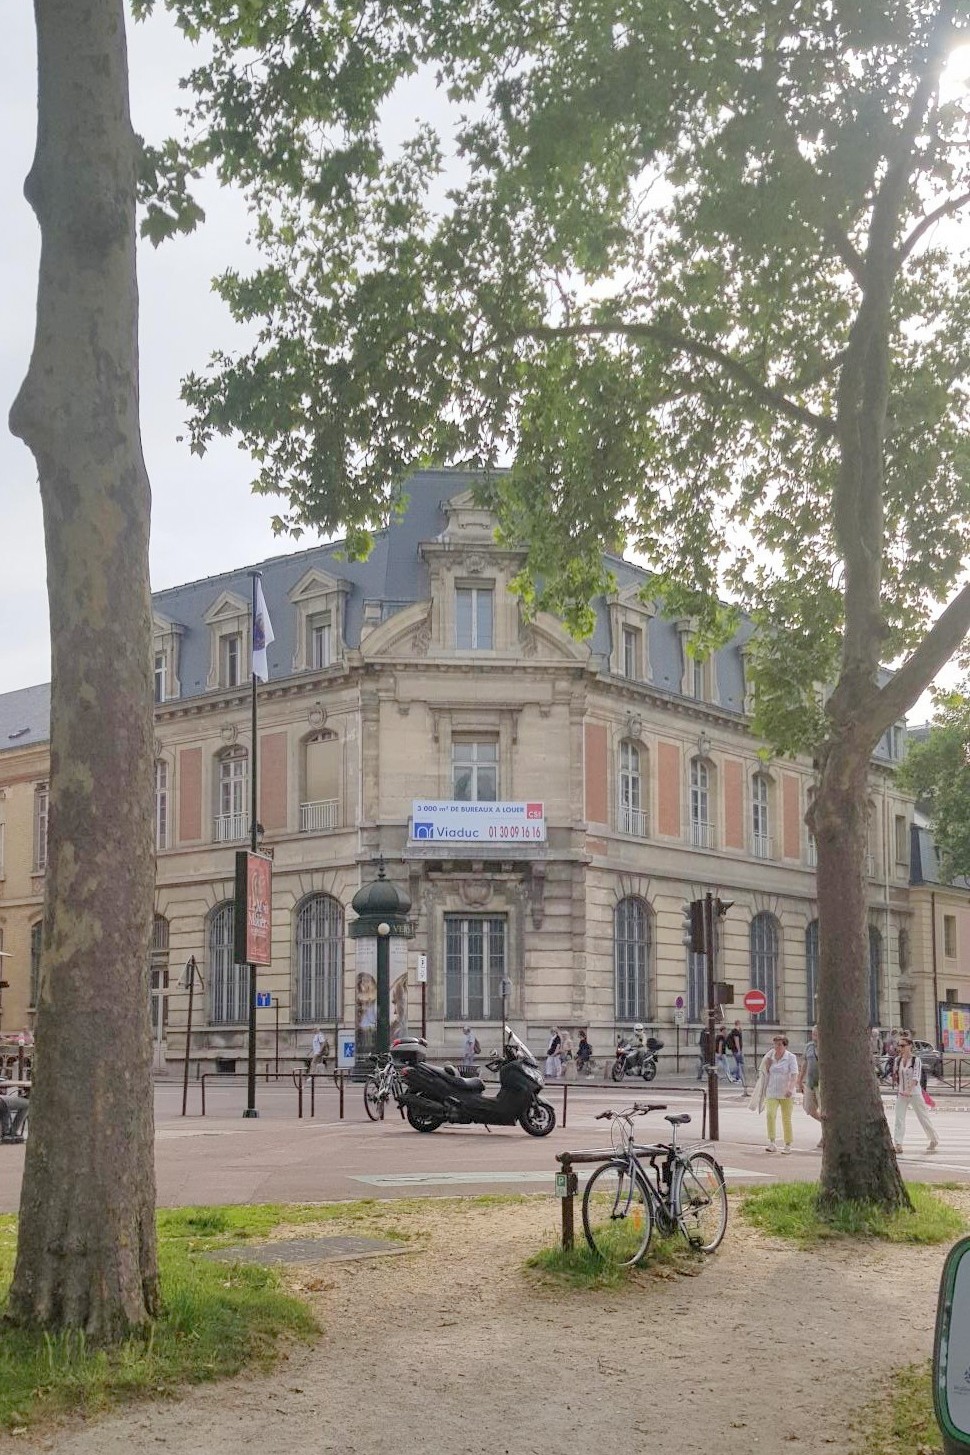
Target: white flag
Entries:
(262, 635)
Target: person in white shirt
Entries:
(319, 1052)
(909, 1092)
(780, 1068)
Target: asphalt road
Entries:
(226, 1158)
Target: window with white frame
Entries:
(228, 982)
(474, 775)
(633, 819)
(632, 653)
(475, 617)
(158, 976)
(760, 817)
(319, 641)
(764, 964)
(320, 800)
(475, 960)
(161, 804)
(319, 959)
(160, 677)
(232, 817)
(701, 825)
(41, 807)
(697, 674)
(231, 660)
(631, 959)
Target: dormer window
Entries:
(475, 618)
(319, 641)
(165, 658)
(231, 660)
(632, 653)
(161, 675)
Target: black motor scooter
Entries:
(437, 1094)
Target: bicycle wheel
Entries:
(374, 1099)
(699, 1201)
(617, 1214)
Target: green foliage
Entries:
(791, 1210)
(580, 1267)
(901, 1421)
(937, 771)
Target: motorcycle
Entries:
(434, 1095)
(636, 1060)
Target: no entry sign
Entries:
(755, 1001)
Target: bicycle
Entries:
(380, 1086)
(624, 1200)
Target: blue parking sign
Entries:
(263, 999)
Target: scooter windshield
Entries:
(521, 1049)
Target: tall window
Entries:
(902, 839)
(633, 819)
(950, 936)
(161, 804)
(231, 660)
(319, 643)
(228, 982)
(158, 976)
(41, 802)
(474, 617)
(160, 693)
(232, 818)
(761, 837)
(632, 654)
(319, 958)
(474, 967)
(631, 957)
(811, 973)
(474, 771)
(320, 804)
(696, 987)
(2, 835)
(698, 678)
(875, 975)
(764, 963)
(36, 949)
(701, 827)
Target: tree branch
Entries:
(947, 633)
(946, 209)
(772, 398)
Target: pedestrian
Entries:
(565, 1052)
(909, 1092)
(780, 1068)
(319, 1051)
(704, 1049)
(808, 1081)
(584, 1054)
(552, 1054)
(720, 1053)
(469, 1050)
(735, 1045)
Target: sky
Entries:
(204, 517)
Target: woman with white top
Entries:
(909, 1092)
(780, 1069)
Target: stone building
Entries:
(626, 771)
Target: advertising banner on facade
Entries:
(955, 1029)
(254, 908)
(477, 823)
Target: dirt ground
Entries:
(455, 1347)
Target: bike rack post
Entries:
(572, 1187)
(202, 1084)
(565, 1097)
(313, 1095)
(299, 1097)
(340, 1093)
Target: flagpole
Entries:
(253, 844)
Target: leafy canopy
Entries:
(937, 771)
(629, 248)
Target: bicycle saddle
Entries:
(680, 1120)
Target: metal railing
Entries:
(761, 846)
(231, 826)
(702, 835)
(324, 814)
(812, 854)
(632, 821)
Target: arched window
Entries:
(319, 958)
(875, 975)
(764, 963)
(36, 948)
(811, 973)
(701, 826)
(232, 802)
(633, 818)
(631, 951)
(760, 817)
(228, 982)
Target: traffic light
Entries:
(694, 935)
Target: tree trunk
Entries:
(858, 1161)
(86, 1255)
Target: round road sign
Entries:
(755, 1001)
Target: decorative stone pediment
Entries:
(405, 634)
(227, 607)
(468, 522)
(316, 583)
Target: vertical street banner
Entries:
(254, 908)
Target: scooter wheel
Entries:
(617, 1071)
(649, 1070)
(422, 1121)
(539, 1119)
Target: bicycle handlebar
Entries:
(638, 1109)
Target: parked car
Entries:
(931, 1058)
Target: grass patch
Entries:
(580, 1267)
(901, 1421)
(218, 1317)
(788, 1210)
